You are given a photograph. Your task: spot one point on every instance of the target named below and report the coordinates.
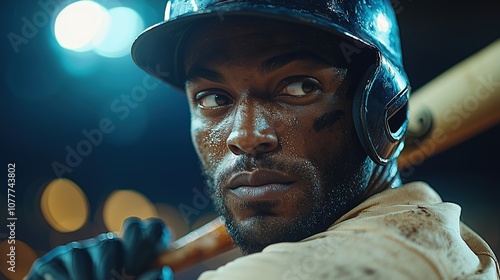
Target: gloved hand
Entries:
(108, 257)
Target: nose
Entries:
(251, 133)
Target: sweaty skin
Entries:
(267, 96)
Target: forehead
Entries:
(233, 39)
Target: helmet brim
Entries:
(159, 49)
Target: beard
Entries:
(331, 189)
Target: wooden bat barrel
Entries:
(458, 104)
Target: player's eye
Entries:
(210, 100)
(299, 87)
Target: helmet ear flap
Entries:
(397, 116)
(359, 108)
(380, 111)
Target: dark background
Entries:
(45, 107)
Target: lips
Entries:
(260, 184)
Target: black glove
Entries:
(108, 257)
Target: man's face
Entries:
(272, 125)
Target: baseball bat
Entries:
(458, 104)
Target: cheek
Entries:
(329, 134)
(209, 140)
(289, 130)
(333, 142)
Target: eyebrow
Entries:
(280, 61)
(203, 73)
(268, 66)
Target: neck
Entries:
(383, 177)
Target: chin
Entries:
(253, 233)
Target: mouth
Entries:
(260, 184)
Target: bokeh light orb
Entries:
(64, 205)
(122, 204)
(81, 25)
(125, 25)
